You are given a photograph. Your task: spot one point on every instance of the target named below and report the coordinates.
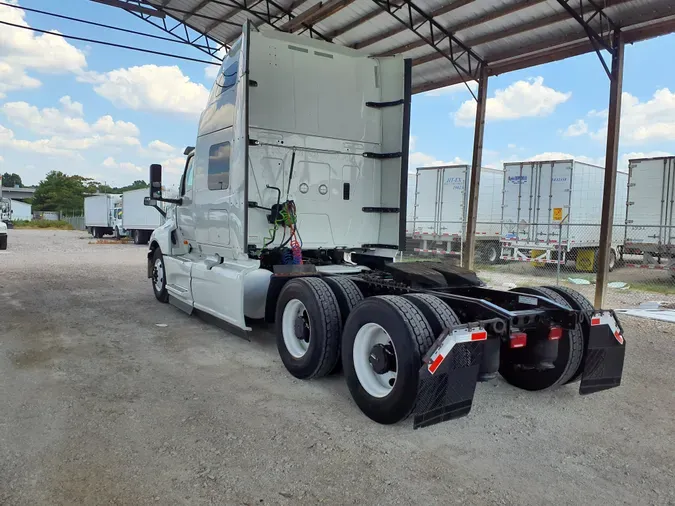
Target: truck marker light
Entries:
(555, 333)
(454, 337)
(479, 336)
(518, 340)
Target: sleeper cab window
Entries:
(219, 166)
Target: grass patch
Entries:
(59, 224)
(660, 286)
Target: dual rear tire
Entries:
(380, 341)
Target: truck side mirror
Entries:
(155, 181)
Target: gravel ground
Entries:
(100, 405)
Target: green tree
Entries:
(11, 180)
(61, 192)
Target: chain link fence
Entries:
(510, 255)
(76, 221)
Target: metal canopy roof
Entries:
(448, 40)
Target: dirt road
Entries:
(99, 404)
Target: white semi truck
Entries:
(441, 201)
(5, 217)
(551, 212)
(138, 220)
(3, 235)
(103, 215)
(301, 162)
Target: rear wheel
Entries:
(578, 302)
(565, 365)
(488, 254)
(137, 236)
(437, 312)
(92, 231)
(383, 343)
(348, 296)
(308, 327)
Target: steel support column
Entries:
(611, 160)
(469, 246)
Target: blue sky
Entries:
(108, 113)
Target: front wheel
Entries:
(3, 242)
(383, 343)
(159, 277)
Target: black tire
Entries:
(488, 254)
(566, 365)
(145, 237)
(411, 337)
(161, 295)
(580, 303)
(137, 236)
(323, 323)
(3, 242)
(92, 231)
(116, 234)
(348, 296)
(437, 312)
(99, 233)
(612, 260)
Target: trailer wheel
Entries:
(566, 364)
(383, 343)
(578, 302)
(437, 312)
(488, 254)
(308, 328)
(159, 277)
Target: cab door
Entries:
(185, 213)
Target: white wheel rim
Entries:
(159, 275)
(295, 344)
(377, 385)
(492, 254)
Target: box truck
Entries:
(138, 220)
(103, 215)
(649, 210)
(440, 207)
(301, 161)
(551, 213)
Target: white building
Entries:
(21, 211)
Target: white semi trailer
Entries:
(440, 207)
(301, 162)
(551, 212)
(650, 218)
(138, 220)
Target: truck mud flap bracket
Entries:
(448, 377)
(604, 354)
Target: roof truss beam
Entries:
(598, 39)
(419, 19)
(452, 49)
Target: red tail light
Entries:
(555, 333)
(518, 340)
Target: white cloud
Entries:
(111, 163)
(22, 50)
(452, 89)
(150, 88)
(41, 146)
(521, 99)
(71, 132)
(579, 127)
(70, 107)
(160, 146)
(14, 78)
(643, 122)
(512, 146)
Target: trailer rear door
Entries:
(453, 200)
(427, 201)
(517, 214)
(651, 184)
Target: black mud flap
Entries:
(604, 353)
(446, 391)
